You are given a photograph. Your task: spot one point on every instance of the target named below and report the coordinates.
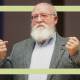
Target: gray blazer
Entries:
(22, 52)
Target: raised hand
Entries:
(3, 49)
(73, 45)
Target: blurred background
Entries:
(15, 26)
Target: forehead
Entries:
(42, 9)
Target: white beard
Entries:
(42, 32)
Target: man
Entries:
(44, 49)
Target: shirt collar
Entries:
(53, 38)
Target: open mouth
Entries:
(40, 26)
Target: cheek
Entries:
(33, 23)
(52, 22)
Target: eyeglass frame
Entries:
(43, 15)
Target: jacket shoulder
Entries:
(61, 39)
(24, 42)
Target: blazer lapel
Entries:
(57, 53)
(29, 50)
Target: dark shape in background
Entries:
(60, 24)
(1, 21)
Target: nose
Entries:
(39, 19)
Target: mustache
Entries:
(40, 25)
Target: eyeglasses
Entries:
(42, 15)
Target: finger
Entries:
(73, 38)
(6, 42)
(3, 42)
(73, 42)
(3, 49)
(4, 46)
(69, 44)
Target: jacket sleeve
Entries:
(6, 63)
(76, 58)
